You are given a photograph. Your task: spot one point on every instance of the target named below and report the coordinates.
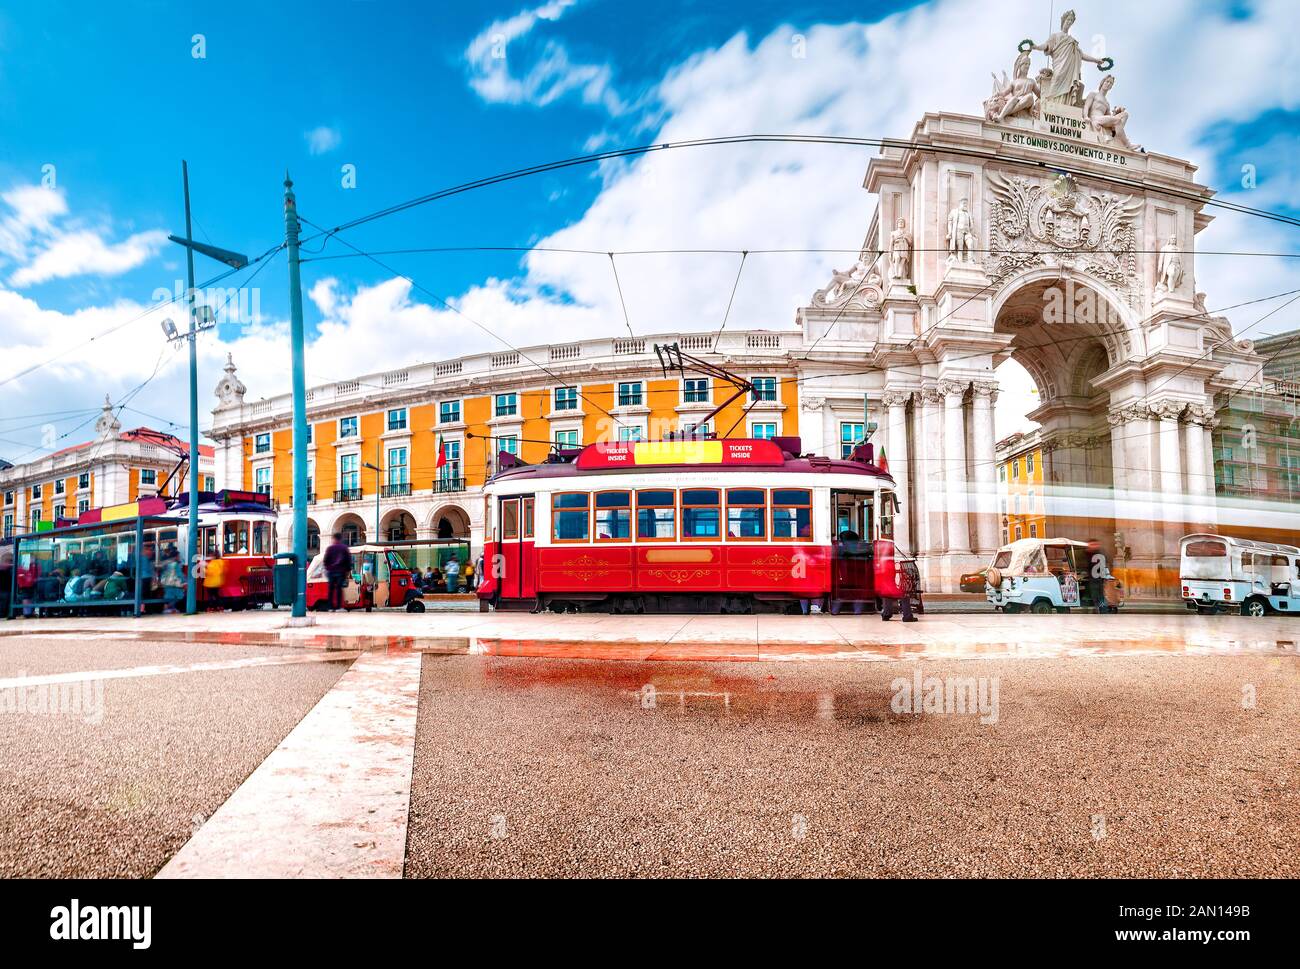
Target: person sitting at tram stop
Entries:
(452, 572)
(1098, 573)
(889, 583)
(78, 586)
(432, 579)
(113, 586)
(338, 567)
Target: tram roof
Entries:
(781, 454)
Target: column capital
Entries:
(953, 388)
(931, 395)
(985, 388)
(1167, 410)
(1127, 414)
(1202, 414)
(895, 398)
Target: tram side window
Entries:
(613, 516)
(262, 538)
(236, 538)
(700, 513)
(791, 513)
(746, 513)
(656, 515)
(570, 520)
(528, 518)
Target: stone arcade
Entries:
(982, 249)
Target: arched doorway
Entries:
(398, 526)
(313, 537)
(352, 528)
(449, 521)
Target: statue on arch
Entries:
(961, 233)
(1106, 121)
(1169, 267)
(900, 251)
(1017, 96)
(1066, 85)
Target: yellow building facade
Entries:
(1022, 509)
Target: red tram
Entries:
(698, 525)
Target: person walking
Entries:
(172, 580)
(1098, 573)
(338, 566)
(214, 577)
(889, 583)
(452, 572)
(469, 576)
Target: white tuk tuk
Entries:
(1043, 575)
(1219, 573)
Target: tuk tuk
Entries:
(379, 579)
(1043, 575)
(1218, 573)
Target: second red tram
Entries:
(700, 525)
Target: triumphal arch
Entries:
(1039, 230)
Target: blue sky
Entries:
(112, 97)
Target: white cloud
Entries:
(322, 140)
(80, 253)
(551, 75)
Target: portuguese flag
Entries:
(442, 452)
(883, 463)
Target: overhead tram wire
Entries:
(467, 316)
(878, 143)
(622, 302)
(744, 255)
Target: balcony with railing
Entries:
(398, 490)
(347, 494)
(448, 484)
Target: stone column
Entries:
(929, 473)
(1173, 493)
(895, 404)
(984, 463)
(830, 433)
(1211, 494)
(954, 463)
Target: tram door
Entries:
(851, 566)
(518, 578)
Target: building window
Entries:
(764, 432)
(1002, 472)
(1029, 500)
(83, 481)
(148, 477)
(9, 497)
(397, 419)
(1015, 470)
(348, 427)
(262, 480)
(566, 439)
(397, 469)
(36, 519)
(349, 473)
(59, 486)
(629, 394)
(1029, 464)
(764, 388)
(36, 492)
(311, 433)
(450, 471)
(9, 524)
(509, 444)
(632, 433)
(83, 506)
(695, 390)
(507, 405)
(262, 444)
(851, 435)
(209, 483)
(1033, 531)
(566, 398)
(449, 412)
(1015, 507)
(1019, 534)
(696, 430)
(60, 511)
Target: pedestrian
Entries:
(146, 571)
(214, 577)
(1098, 573)
(26, 580)
(172, 580)
(889, 583)
(338, 566)
(469, 576)
(452, 571)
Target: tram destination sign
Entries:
(629, 454)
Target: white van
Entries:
(1218, 573)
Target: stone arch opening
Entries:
(449, 521)
(352, 528)
(313, 537)
(397, 526)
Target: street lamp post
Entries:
(235, 261)
(379, 487)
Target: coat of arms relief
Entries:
(1035, 224)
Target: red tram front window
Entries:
(701, 514)
(570, 516)
(791, 513)
(746, 514)
(613, 516)
(236, 538)
(656, 516)
(510, 520)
